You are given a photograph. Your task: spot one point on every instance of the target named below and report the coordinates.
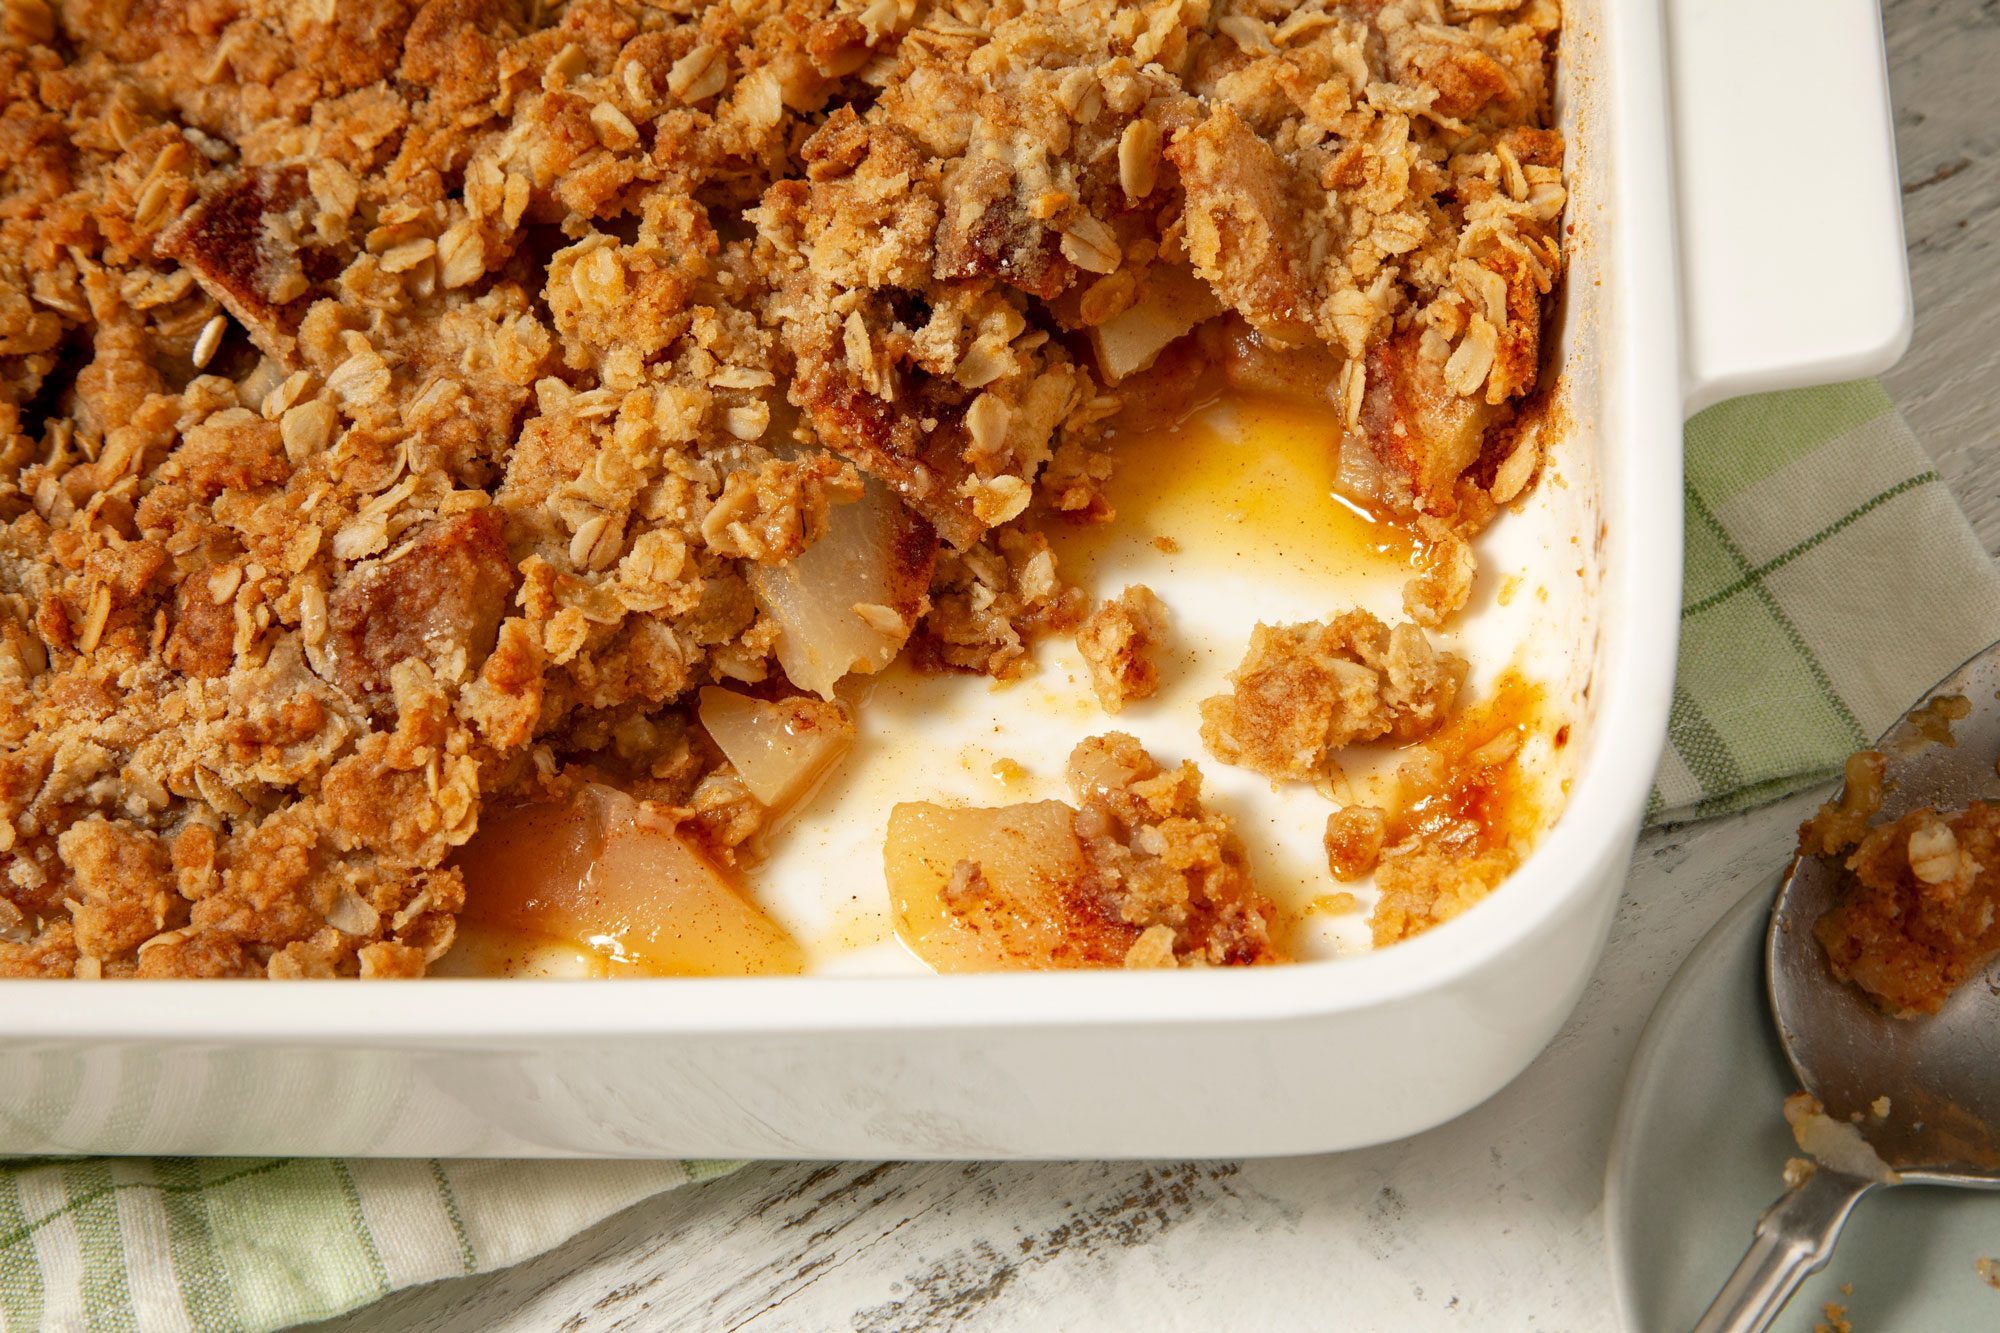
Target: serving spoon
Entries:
(1940, 1074)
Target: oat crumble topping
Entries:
(408, 406)
(1919, 912)
(1918, 909)
(1458, 819)
(1138, 873)
(1119, 642)
(1305, 692)
(1354, 840)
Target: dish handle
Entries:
(1790, 217)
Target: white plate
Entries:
(1698, 1149)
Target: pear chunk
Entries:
(605, 872)
(779, 749)
(849, 601)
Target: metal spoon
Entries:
(1941, 1074)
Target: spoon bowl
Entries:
(1939, 1074)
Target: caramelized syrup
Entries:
(1472, 793)
(1231, 482)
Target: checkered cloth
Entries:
(1830, 581)
(115, 1243)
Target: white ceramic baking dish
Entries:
(1736, 228)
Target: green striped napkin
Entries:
(136, 1243)
(1830, 579)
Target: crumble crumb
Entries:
(1305, 691)
(1354, 840)
(1919, 911)
(1443, 585)
(1422, 886)
(1842, 822)
(1153, 948)
(1463, 815)
(1164, 860)
(1119, 641)
(1833, 1143)
(1933, 720)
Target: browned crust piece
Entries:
(1304, 692)
(1120, 642)
(240, 242)
(1919, 912)
(1165, 871)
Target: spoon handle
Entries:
(1794, 1238)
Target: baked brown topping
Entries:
(1920, 911)
(1465, 814)
(408, 407)
(1305, 692)
(1140, 873)
(1120, 642)
(1919, 907)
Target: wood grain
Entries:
(1942, 56)
(1494, 1221)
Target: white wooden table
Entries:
(1491, 1222)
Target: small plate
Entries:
(1697, 1154)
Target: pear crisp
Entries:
(1138, 873)
(415, 410)
(1919, 909)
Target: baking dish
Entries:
(1718, 248)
